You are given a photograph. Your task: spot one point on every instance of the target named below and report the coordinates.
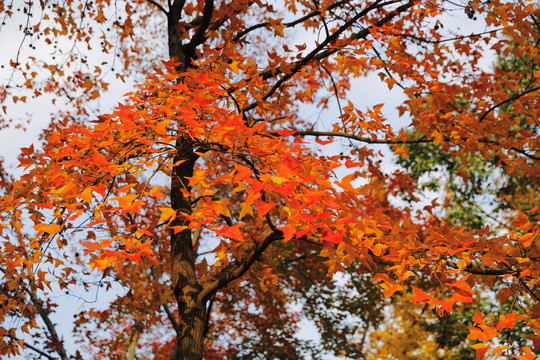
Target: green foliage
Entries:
(345, 311)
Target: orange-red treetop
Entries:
(257, 182)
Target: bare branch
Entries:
(199, 37)
(171, 317)
(481, 271)
(446, 40)
(334, 86)
(357, 138)
(161, 8)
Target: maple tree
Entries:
(211, 202)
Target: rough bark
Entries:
(184, 282)
(192, 313)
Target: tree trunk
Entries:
(190, 341)
(186, 287)
(185, 284)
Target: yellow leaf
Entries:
(394, 41)
(49, 229)
(234, 67)
(167, 214)
(246, 209)
(462, 264)
(278, 30)
(278, 180)
(86, 195)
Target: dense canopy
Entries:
(218, 212)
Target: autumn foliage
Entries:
(209, 204)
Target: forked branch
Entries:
(236, 269)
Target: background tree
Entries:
(210, 155)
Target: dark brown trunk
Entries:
(192, 314)
(190, 341)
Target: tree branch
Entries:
(529, 290)
(510, 99)
(129, 350)
(391, 142)
(288, 24)
(414, 37)
(236, 269)
(161, 8)
(171, 317)
(318, 54)
(356, 137)
(481, 271)
(31, 347)
(176, 8)
(59, 347)
(334, 86)
(199, 37)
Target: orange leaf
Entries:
(481, 350)
(233, 232)
(242, 172)
(391, 289)
(382, 277)
(264, 207)
(421, 296)
(100, 189)
(288, 232)
(48, 229)
(90, 246)
(86, 195)
(167, 214)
